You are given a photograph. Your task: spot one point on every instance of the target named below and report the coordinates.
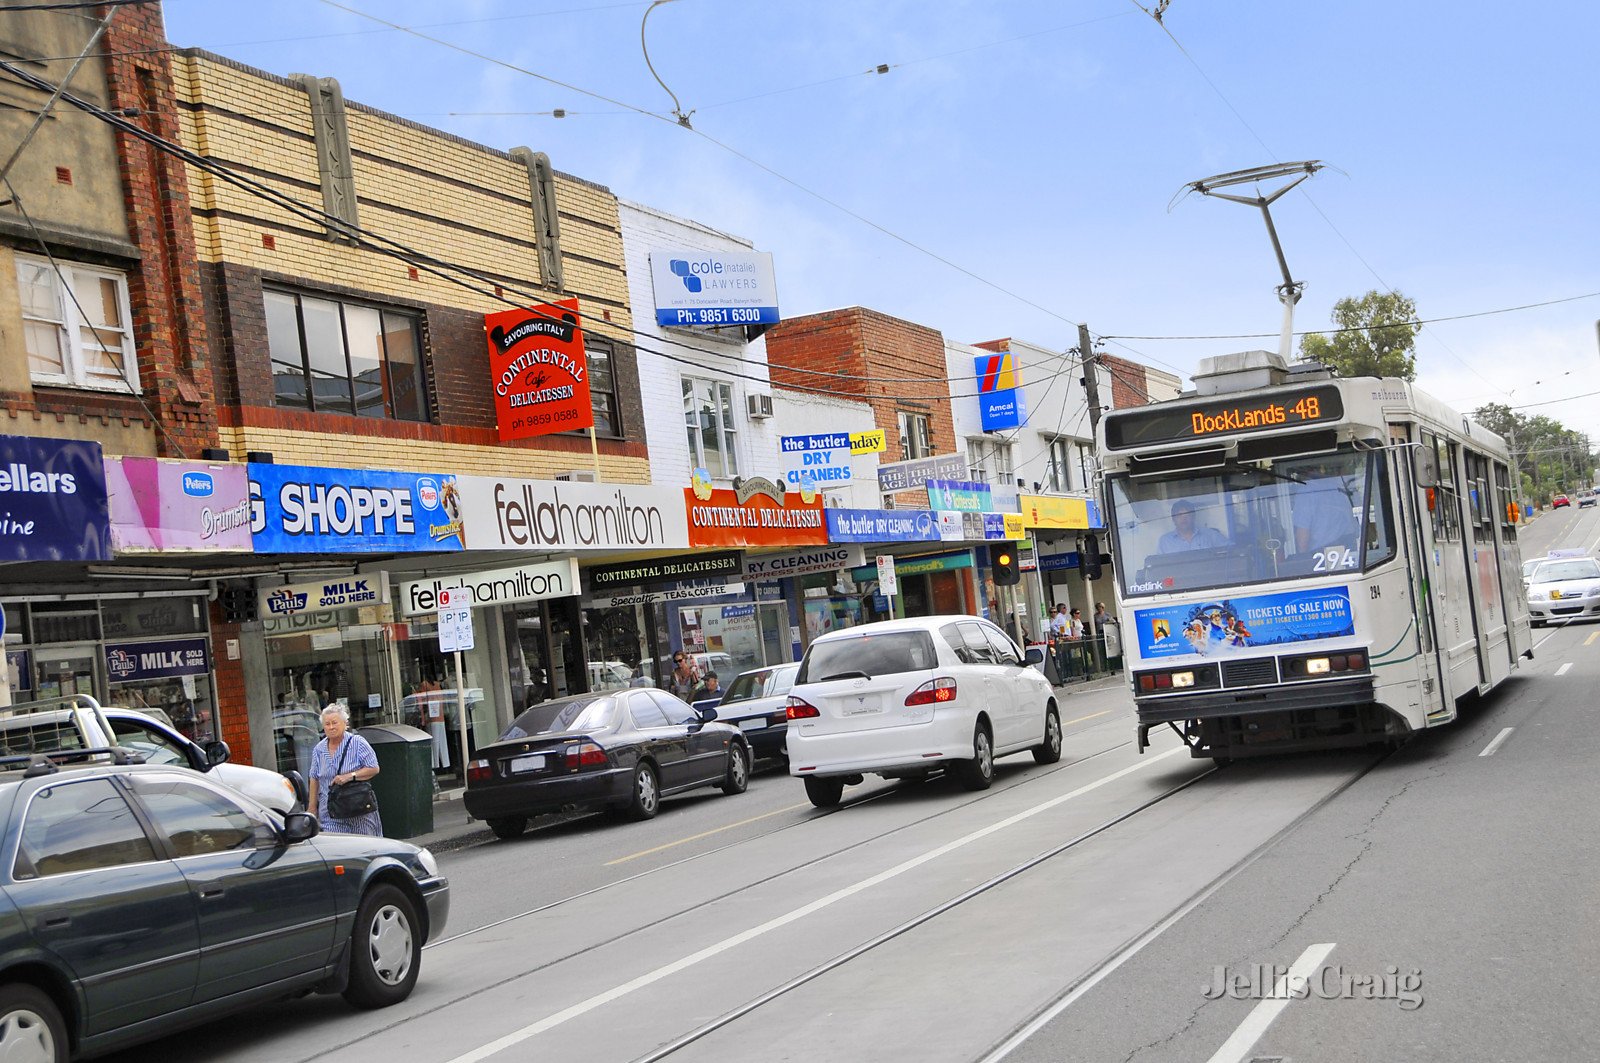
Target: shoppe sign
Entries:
(130, 662)
(539, 370)
(52, 500)
(177, 505)
(715, 288)
(500, 586)
(765, 516)
(303, 509)
(505, 514)
(1001, 403)
(345, 592)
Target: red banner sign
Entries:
(539, 372)
(760, 520)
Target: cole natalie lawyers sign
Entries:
(540, 373)
(714, 288)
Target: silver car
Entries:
(1562, 589)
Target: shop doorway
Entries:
(777, 647)
(63, 670)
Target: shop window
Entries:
(1058, 475)
(330, 356)
(77, 325)
(990, 462)
(916, 435)
(708, 417)
(65, 622)
(603, 391)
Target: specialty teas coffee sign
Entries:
(539, 372)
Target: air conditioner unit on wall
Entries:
(758, 406)
(578, 476)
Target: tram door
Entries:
(1412, 514)
(1454, 519)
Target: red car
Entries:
(1560, 500)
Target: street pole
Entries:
(461, 716)
(1091, 378)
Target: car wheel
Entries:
(646, 792)
(385, 949)
(978, 773)
(1049, 751)
(31, 1027)
(737, 779)
(508, 826)
(824, 793)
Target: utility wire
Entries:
(1368, 328)
(44, 112)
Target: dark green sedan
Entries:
(136, 900)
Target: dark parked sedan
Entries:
(757, 703)
(622, 750)
(140, 899)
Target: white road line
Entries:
(1255, 1024)
(1564, 669)
(1494, 744)
(583, 1007)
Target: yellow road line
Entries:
(706, 834)
(1592, 636)
(1091, 716)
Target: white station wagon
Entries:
(904, 698)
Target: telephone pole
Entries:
(1091, 376)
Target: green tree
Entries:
(1381, 341)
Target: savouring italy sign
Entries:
(539, 370)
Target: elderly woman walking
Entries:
(342, 757)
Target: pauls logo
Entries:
(283, 600)
(121, 664)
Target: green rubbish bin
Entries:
(404, 783)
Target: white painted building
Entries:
(807, 413)
(707, 397)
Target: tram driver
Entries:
(1188, 533)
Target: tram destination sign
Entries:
(1227, 415)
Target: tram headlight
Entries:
(1183, 679)
(1317, 666)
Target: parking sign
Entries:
(455, 619)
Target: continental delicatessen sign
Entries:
(759, 513)
(539, 370)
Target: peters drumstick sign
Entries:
(539, 372)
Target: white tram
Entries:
(1306, 562)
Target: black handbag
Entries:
(353, 799)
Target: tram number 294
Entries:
(1333, 558)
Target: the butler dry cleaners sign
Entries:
(539, 371)
(52, 501)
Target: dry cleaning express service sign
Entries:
(540, 373)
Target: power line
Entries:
(1368, 328)
(77, 6)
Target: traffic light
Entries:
(1003, 563)
(238, 601)
(1089, 557)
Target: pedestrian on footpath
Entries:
(1075, 644)
(340, 759)
(1060, 628)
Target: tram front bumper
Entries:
(1251, 701)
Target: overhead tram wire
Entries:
(431, 264)
(671, 120)
(1309, 199)
(1368, 328)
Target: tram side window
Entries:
(1507, 500)
(1445, 507)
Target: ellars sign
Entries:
(539, 372)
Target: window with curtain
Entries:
(76, 325)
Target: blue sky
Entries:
(1037, 146)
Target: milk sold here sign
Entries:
(538, 370)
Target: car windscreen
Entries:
(868, 654)
(557, 717)
(1556, 571)
(747, 686)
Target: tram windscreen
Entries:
(1252, 523)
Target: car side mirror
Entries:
(216, 753)
(300, 827)
(707, 713)
(1034, 655)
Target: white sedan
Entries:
(903, 698)
(1561, 589)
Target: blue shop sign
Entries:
(130, 662)
(301, 509)
(963, 496)
(881, 526)
(53, 500)
(1002, 409)
(1224, 626)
